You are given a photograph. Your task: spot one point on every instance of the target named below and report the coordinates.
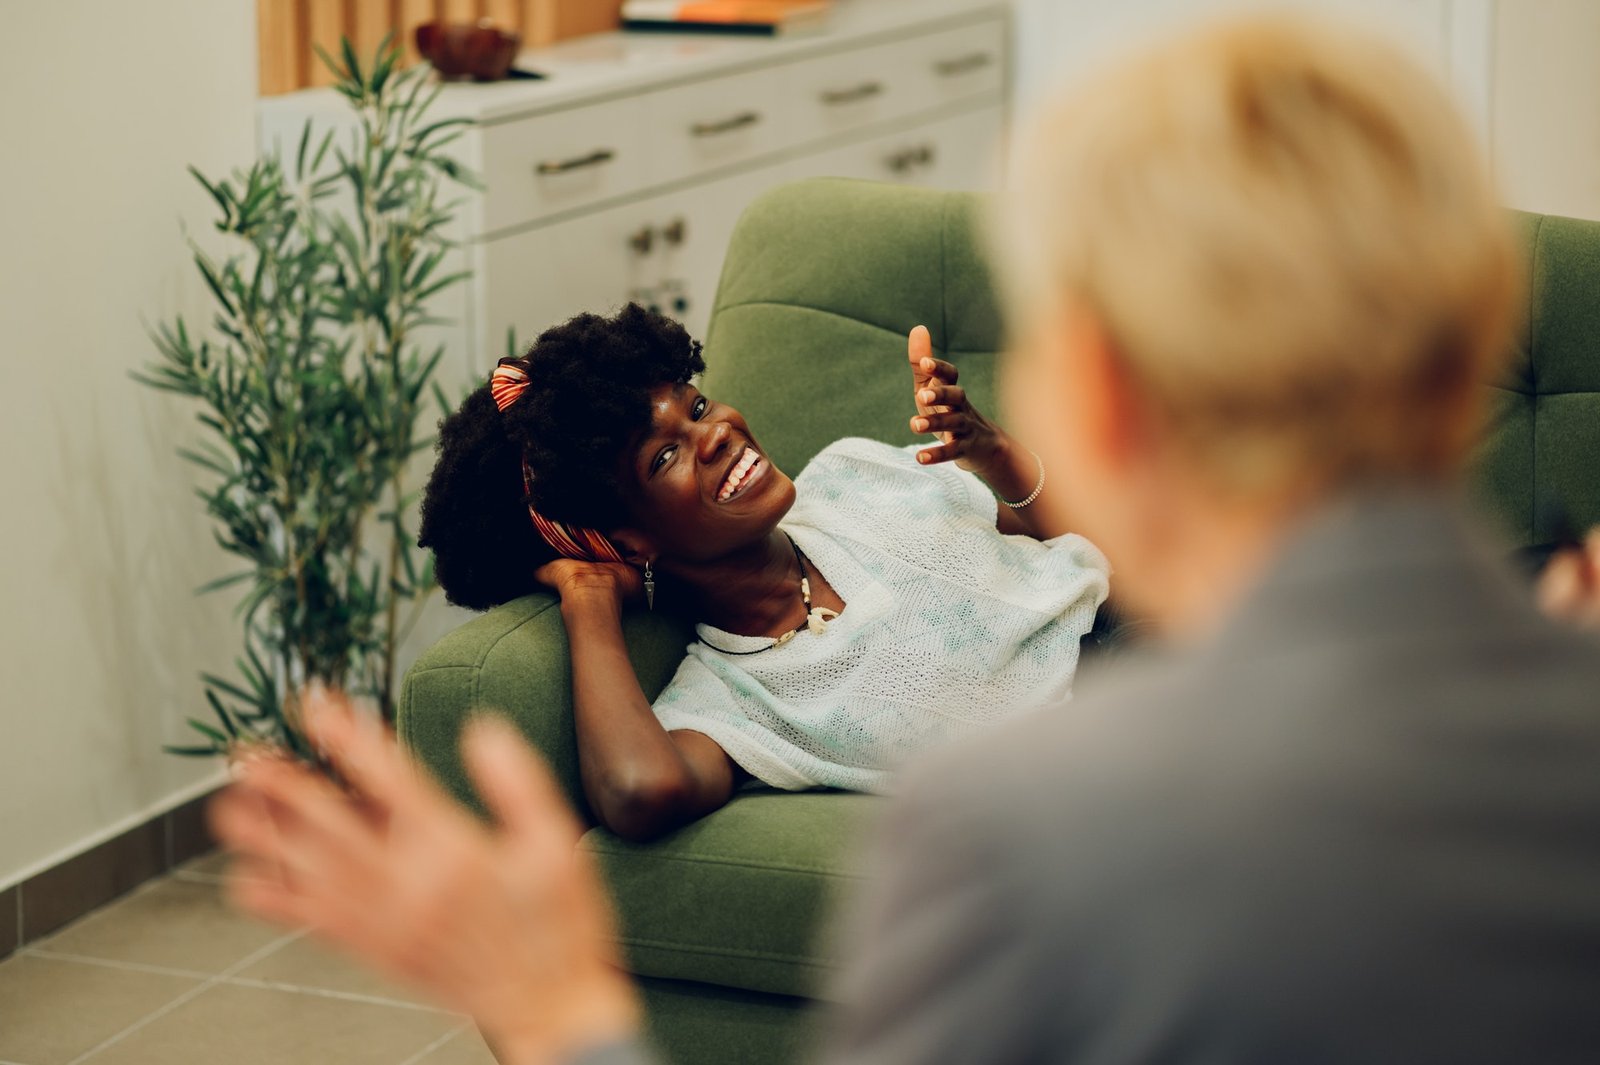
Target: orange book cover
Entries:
(710, 13)
(746, 10)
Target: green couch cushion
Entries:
(739, 898)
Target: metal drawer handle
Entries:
(866, 90)
(965, 64)
(902, 161)
(594, 158)
(726, 125)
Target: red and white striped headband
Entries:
(506, 385)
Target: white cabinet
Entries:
(621, 175)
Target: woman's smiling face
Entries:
(702, 485)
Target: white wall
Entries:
(1547, 104)
(1523, 70)
(101, 539)
(1060, 39)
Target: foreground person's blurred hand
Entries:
(509, 925)
(1569, 588)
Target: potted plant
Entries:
(310, 381)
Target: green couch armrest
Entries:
(513, 660)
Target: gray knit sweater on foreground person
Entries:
(1361, 824)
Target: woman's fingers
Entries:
(938, 394)
(952, 422)
(943, 453)
(940, 369)
(516, 784)
(919, 347)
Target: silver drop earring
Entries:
(649, 588)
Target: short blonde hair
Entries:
(1291, 237)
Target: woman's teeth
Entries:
(737, 475)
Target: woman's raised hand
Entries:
(572, 579)
(966, 436)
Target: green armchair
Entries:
(723, 922)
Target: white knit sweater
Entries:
(948, 626)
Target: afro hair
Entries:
(588, 399)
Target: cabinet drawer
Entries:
(538, 166)
(958, 64)
(959, 152)
(709, 124)
(880, 83)
(837, 93)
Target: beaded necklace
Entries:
(816, 621)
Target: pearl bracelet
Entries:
(1031, 496)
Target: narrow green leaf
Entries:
(229, 687)
(209, 273)
(352, 64)
(224, 582)
(209, 732)
(221, 713)
(322, 151)
(300, 153)
(216, 193)
(333, 65)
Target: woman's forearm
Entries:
(634, 775)
(1012, 472)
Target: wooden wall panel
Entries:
(409, 14)
(279, 35)
(287, 29)
(460, 10)
(504, 13)
(328, 20)
(573, 19)
(371, 21)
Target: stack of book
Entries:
(768, 17)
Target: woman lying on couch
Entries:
(877, 604)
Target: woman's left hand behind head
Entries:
(572, 578)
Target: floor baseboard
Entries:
(56, 896)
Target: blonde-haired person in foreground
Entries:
(1354, 815)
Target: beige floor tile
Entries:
(52, 1011)
(180, 924)
(256, 1026)
(306, 963)
(465, 1048)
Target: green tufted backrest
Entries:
(822, 282)
(1539, 466)
(825, 277)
